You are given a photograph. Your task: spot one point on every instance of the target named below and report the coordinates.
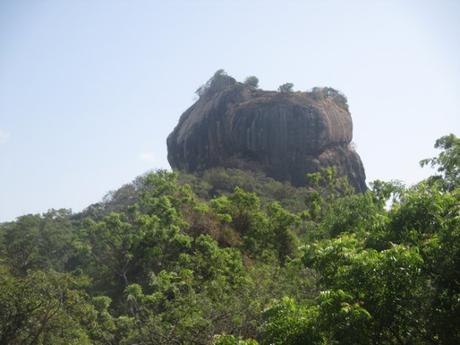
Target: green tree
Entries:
(447, 163)
(281, 223)
(200, 297)
(286, 88)
(201, 91)
(46, 308)
(287, 323)
(252, 81)
(265, 230)
(38, 241)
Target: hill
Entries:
(283, 134)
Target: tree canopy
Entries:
(252, 81)
(232, 257)
(286, 87)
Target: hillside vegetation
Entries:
(232, 257)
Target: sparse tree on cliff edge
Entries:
(203, 88)
(286, 87)
(252, 81)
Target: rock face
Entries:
(286, 135)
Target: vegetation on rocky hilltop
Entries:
(231, 257)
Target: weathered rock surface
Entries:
(286, 135)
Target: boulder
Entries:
(283, 134)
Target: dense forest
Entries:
(234, 257)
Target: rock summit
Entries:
(284, 134)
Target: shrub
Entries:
(286, 87)
(252, 81)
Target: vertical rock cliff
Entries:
(284, 134)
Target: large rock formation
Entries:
(286, 135)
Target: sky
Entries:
(89, 90)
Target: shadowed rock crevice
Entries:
(285, 135)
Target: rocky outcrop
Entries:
(286, 135)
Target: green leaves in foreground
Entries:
(155, 264)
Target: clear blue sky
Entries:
(89, 90)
